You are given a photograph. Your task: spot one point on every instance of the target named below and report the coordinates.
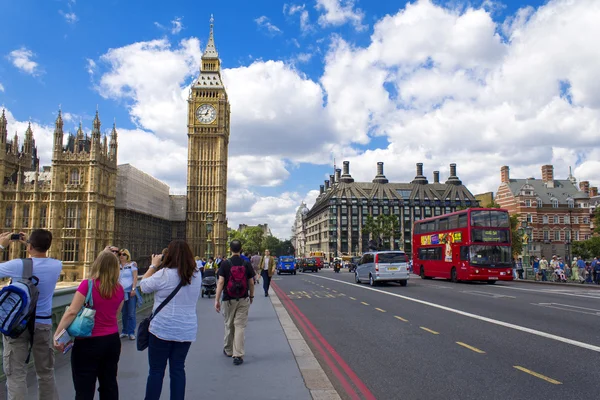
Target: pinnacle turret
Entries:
(58, 133)
(211, 49)
(3, 130)
(96, 130)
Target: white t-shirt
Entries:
(266, 266)
(47, 270)
(126, 275)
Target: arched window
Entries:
(74, 177)
(571, 203)
(540, 203)
(554, 203)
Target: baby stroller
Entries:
(209, 283)
(559, 276)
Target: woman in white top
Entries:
(172, 331)
(128, 277)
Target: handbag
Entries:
(83, 324)
(143, 332)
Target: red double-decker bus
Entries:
(467, 245)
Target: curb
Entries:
(316, 380)
(568, 284)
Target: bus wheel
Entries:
(491, 282)
(453, 275)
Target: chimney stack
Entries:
(453, 178)
(584, 186)
(548, 175)
(332, 180)
(380, 177)
(338, 175)
(321, 189)
(420, 178)
(505, 174)
(593, 191)
(327, 185)
(436, 176)
(346, 177)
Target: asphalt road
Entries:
(437, 340)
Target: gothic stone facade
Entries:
(334, 225)
(208, 142)
(74, 199)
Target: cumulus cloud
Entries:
(264, 23)
(339, 12)
(22, 58)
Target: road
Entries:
(437, 340)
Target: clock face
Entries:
(206, 114)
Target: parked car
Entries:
(383, 266)
(310, 264)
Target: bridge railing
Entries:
(62, 298)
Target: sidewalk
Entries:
(269, 371)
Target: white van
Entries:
(383, 266)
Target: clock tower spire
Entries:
(208, 143)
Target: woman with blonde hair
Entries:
(173, 329)
(128, 277)
(96, 358)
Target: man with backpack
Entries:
(45, 271)
(236, 286)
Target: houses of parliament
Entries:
(88, 201)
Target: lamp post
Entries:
(525, 231)
(209, 228)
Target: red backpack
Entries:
(237, 286)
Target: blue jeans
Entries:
(159, 352)
(544, 275)
(128, 315)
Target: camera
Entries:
(16, 236)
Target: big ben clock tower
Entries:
(208, 142)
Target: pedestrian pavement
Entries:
(270, 370)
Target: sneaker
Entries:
(225, 353)
(131, 337)
(238, 360)
(266, 294)
(123, 335)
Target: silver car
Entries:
(383, 266)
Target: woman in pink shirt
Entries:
(97, 357)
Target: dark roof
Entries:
(563, 189)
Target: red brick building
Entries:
(556, 210)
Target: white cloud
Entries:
(90, 66)
(339, 12)
(176, 26)
(264, 23)
(1, 88)
(257, 171)
(70, 17)
(22, 59)
(293, 9)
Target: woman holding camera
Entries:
(97, 357)
(172, 331)
(128, 278)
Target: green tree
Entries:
(371, 227)
(383, 227)
(493, 204)
(233, 235)
(272, 244)
(287, 248)
(587, 249)
(252, 239)
(516, 236)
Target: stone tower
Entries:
(208, 142)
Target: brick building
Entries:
(556, 210)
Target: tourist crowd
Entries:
(557, 270)
(175, 279)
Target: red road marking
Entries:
(326, 350)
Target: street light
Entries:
(525, 232)
(209, 228)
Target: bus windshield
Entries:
(490, 255)
(287, 259)
(495, 219)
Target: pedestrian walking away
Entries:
(128, 278)
(96, 358)
(16, 350)
(174, 328)
(236, 290)
(267, 270)
(255, 261)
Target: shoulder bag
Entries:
(143, 333)
(83, 324)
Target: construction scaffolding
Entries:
(137, 191)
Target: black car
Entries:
(309, 264)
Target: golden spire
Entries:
(211, 50)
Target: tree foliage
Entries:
(596, 219)
(253, 241)
(382, 228)
(587, 249)
(516, 236)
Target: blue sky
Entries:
(479, 83)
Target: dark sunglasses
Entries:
(115, 251)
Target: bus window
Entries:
(443, 224)
(453, 222)
(462, 221)
(497, 219)
(464, 253)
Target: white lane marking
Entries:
(570, 308)
(479, 317)
(546, 291)
(487, 294)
